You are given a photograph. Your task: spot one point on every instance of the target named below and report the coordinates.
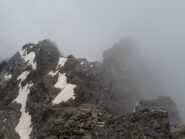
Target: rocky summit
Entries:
(45, 95)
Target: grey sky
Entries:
(87, 27)
(83, 26)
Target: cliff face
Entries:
(165, 103)
(38, 78)
(130, 77)
(45, 95)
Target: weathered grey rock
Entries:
(51, 137)
(94, 111)
(178, 131)
(144, 123)
(127, 76)
(165, 103)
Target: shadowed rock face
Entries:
(119, 80)
(128, 77)
(90, 113)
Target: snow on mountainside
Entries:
(7, 76)
(35, 77)
(24, 128)
(67, 90)
(44, 95)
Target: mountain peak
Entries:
(46, 54)
(46, 95)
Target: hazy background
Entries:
(87, 27)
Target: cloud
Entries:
(86, 28)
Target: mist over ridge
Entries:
(88, 28)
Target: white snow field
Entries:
(67, 89)
(29, 58)
(7, 76)
(24, 128)
(61, 63)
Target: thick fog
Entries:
(85, 28)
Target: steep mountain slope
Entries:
(45, 95)
(38, 77)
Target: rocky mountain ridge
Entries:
(45, 95)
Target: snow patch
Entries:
(67, 90)
(29, 58)
(62, 81)
(4, 120)
(91, 66)
(7, 76)
(61, 62)
(23, 76)
(31, 47)
(82, 63)
(53, 73)
(66, 94)
(23, 128)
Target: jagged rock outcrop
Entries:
(178, 131)
(119, 80)
(165, 103)
(92, 122)
(45, 95)
(128, 77)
